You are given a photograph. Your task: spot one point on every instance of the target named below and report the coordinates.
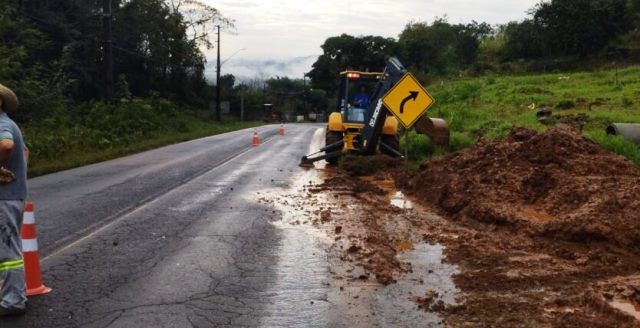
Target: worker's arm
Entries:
(6, 147)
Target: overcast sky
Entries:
(283, 37)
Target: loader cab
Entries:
(355, 87)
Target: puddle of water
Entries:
(429, 275)
(427, 262)
(300, 292)
(400, 201)
(626, 307)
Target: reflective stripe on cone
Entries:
(29, 245)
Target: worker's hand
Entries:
(27, 153)
(6, 176)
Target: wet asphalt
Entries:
(175, 237)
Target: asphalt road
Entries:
(175, 237)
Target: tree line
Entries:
(555, 31)
(51, 52)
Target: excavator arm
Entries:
(370, 136)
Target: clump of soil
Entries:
(555, 184)
(368, 165)
(430, 302)
(576, 121)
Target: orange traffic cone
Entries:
(256, 139)
(30, 253)
(281, 130)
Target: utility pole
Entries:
(242, 102)
(218, 79)
(304, 93)
(107, 49)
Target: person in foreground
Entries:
(13, 192)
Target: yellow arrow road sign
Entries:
(408, 100)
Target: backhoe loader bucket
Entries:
(330, 151)
(307, 161)
(435, 128)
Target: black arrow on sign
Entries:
(412, 95)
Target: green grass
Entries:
(487, 107)
(95, 132)
(616, 144)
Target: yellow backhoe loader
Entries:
(362, 124)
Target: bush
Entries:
(566, 104)
(96, 126)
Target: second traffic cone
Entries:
(281, 130)
(30, 253)
(256, 138)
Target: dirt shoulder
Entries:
(534, 230)
(540, 228)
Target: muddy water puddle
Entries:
(429, 277)
(413, 298)
(430, 269)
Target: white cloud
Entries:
(283, 30)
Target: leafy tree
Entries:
(441, 47)
(227, 83)
(580, 27)
(468, 39)
(156, 46)
(22, 49)
(200, 20)
(523, 41)
(631, 39)
(365, 53)
(428, 48)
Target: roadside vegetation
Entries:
(488, 107)
(96, 131)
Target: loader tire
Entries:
(333, 137)
(392, 141)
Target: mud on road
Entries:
(381, 271)
(535, 230)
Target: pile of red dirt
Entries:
(556, 184)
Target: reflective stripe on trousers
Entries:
(8, 265)
(13, 290)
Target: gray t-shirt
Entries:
(17, 189)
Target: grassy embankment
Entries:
(95, 132)
(487, 107)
